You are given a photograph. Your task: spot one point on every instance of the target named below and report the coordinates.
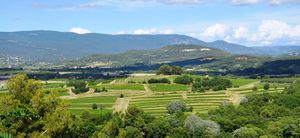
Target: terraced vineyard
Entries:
(79, 105)
(155, 104)
(57, 88)
(152, 98)
(129, 86)
(202, 103)
(168, 87)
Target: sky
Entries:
(247, 22)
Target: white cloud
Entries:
(79, 30)
(244, 2)
(267, 33)
(152, 31)
(273, 31)
(241, 32)
(278, 2)
(216, 31)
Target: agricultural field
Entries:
(79, 105)
(124, 86)
(141, 79)
(152, 98)
(241, 81)
(168, 87)
(56, 88)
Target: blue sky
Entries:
(249, 22)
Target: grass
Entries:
(241, 81)
(138, 87)
(53, 85)
(89, 105)
(168, 87)
(103, 99)
(98, 111)
(146, 78)
(85, 104)
(58, 91)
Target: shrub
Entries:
(267, 86)
(184, 80)
(98, 90)
(122, 95)
(254, 88)
(94, 106)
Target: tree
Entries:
(132, 132)
(79, 86)
(183, 80)
(245, 132)
(165, 70)
(170, 70)
(176, 70)
(26, 111)
(196, 127)
(176, 106)
(267, 86)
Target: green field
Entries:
(241, 81)
(59, 91)
(98, 111)
(53, 85)
(141, 79)
(103, 99)
(79, 105)
(129, 86)
(168, 87)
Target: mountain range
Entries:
(53, 46)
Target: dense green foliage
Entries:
(162, 80)
(170, 70)
(216, 84)
(79, 86)
(270, 115)
(27, 112)
(184, 80)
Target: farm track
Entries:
(121, 105)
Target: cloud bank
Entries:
(267, 33)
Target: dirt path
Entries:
(70, 92)
(184, 95)
(235, 96)
(121, 105)
(113, 82)
(146, 87)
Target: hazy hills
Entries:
(51, 45)
(166, 54)
(59, 46)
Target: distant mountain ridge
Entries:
(166, 54)
(53, 46)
